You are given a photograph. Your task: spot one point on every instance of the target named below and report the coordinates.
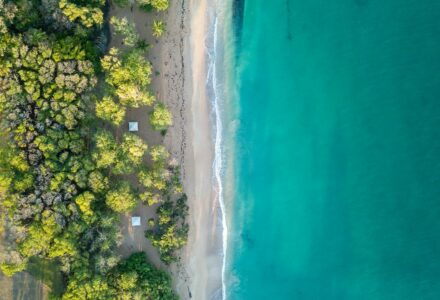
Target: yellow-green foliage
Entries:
(84, 202)
(5, 183)
(150, 198)
(18, 161)
(23, 182)
(106, 149)
(86, 15)
(63, 245)
(133, 148)
(161, 118)
(169, 239)
(127, 29)
(107, 109)
(121, 198)
(122, 158)
(160, 5)
(52, 76)
(7, 14)
(87, 288)
(159, 154)
(42, 93)
(127, 281)
(97, 182)
(41, 235)
(55, 194)
(130, 77)
(10, 269)
(158, 28)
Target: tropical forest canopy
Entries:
(58, 83)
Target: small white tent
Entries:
(135, 221)
(133, 126)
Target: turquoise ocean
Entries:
(332, 145)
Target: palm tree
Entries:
(158, 28)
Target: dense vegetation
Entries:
(55, 169)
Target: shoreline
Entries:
(198, 274)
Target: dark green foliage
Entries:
(159, 5)
(146, 7)
(135, 276)
(27, 15)
(170, 231)
(132, 278)
(121, 3)
(162, 186)
(48, 271)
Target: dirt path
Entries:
(22, 286)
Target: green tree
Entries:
(41, 234)
(169, 233)
(158, 28)
(135, 278)
(97, 182)
(107, 109)
(133, 148)
(160, 117)
(129, 154)
(106, 149)
(121, 198)
(159, 154)
(88, 287)
(154, 178)
(7, 14)
(130, 77)
(85, 15)
(84, 202)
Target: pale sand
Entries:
(199, 276)
(180, 57)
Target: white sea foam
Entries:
(214, 87)
(219, 47)
(218, 164)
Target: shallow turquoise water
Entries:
(337, 186)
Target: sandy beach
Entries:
(199, 276)
(183, 87)
(179, 57)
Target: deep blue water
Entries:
(337, 161)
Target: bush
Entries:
(160, 117)
(11, 269)
(159, 5)
(158, 28)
